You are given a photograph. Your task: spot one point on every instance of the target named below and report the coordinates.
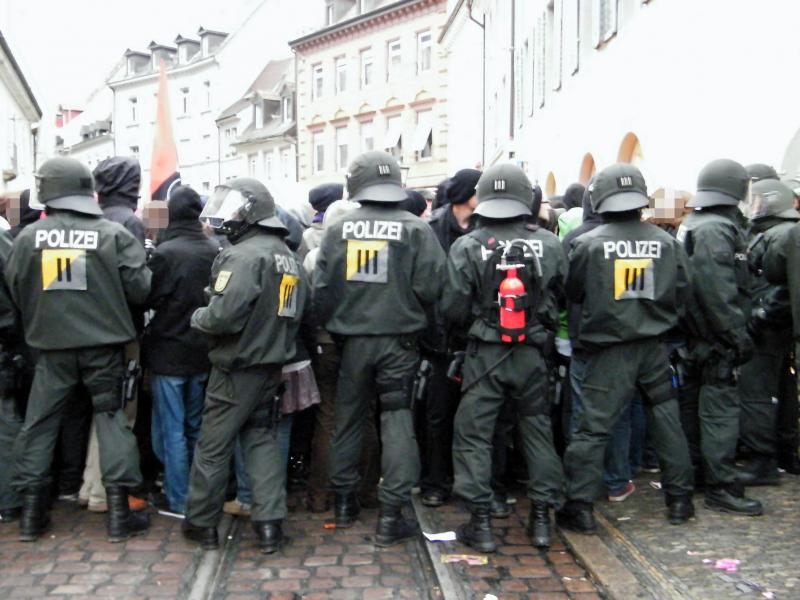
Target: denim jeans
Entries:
(177, 413)
(243, 493)
(617, 467)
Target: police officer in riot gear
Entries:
(766, 377)
(72, 275)
(502, 365)
(631, 279)
(378, 268)
(257, 297)
(12, 365)
(713, 237)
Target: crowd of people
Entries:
(461, 343)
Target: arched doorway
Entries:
(550, 185)
(630, 150)
(588, 169)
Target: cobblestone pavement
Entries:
(320, 564)
(74, 560)
(767, 546)
(518, 570)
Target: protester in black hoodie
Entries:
(26, 215)
(117, 181)
(177, 355)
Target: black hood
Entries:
(117, 181)
(536, 202)
(414, 203)
(573, 196)
(184, 205)
(589, 216)
(295, 237)
(27, 215)
(322, 196)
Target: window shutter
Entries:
(611, 19)
(571, 29)
(540, 44)
(518, 86)
(597, 22)
(558, 36)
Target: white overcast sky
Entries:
(66, 49)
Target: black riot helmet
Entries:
(240, 204)
(771, 198)
(64, 183)
(722, 182)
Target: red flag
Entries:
(164, 166)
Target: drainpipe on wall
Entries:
(482, 25)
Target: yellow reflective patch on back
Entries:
(63, 269)
(368, 260)
(287, 296)
(222, 281)
(634, 278)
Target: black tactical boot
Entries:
(789, 461)
(345, 509)
(577, 516)
(269, 535)
(205, 536)
(9, 515)
(477, 533)
(499, 507)
(762, 470)
(121, 523)
(731, 499)
(34, 519)
(539, 524)
(679, 509)
(434, 498)
(393, 527)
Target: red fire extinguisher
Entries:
(512, 299)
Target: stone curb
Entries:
(211, 565)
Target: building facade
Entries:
(371, 79)
(575, 85)
(206, 73)
(258, 133)
(19, 124)
(87, 135)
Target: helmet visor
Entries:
(757, 204)
(225, 205)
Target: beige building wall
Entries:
(399, 100)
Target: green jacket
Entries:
(378, 268)
(258, 296)
(782, 267)
(715, 242)
(631, 280)
(463, 298)
(72, 276)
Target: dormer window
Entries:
(286, 109)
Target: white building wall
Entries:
(693, 80)
(16, 140)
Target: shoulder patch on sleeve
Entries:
(222, 281)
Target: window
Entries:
(286, 109)
(424, 51)
(207, 86)
(329, 14)
(571, 33)
(423, 135)
(135, 152)
(367, 68)
(539, 61)
(207, 145)
(527, 75)
(319, 152)
(604, 21)
(316, 82)
(251, 164)
(133, 109)
(184, 101)
(206, 186)
(367, 136)
(341, 74)
(393, 142)
(285, 158)
(268, 165)
(340, 137)
(394, 59)
(557, 36)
